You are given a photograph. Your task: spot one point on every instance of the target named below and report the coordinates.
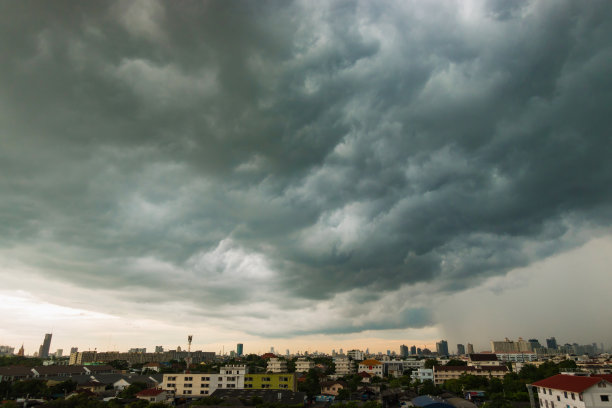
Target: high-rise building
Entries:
(442, 348)
(239, 349)
(73, 349)
(470, 348)
(159, 349)
(460, 349)
(403, 350)
(59, 353)
(413, 351)
(535, 344)
(43, 351)
(551, 343)
(419, 351)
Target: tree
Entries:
(343, 395)
(311, 386)
(456, 363)
(119, 364)
(429, 388)
(132, 390)
(430, 363)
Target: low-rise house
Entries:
(151, 367)
(333, 387)
(483, 359)
(14, 373)
(562, 391)
(93, 386)
(153, 395)
(58, 371)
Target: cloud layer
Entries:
(338, 162)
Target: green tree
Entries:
(430, 363)
(132, 390)
(343, 395)
(429, 388)
(456, 363)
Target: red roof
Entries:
(565, 382)
(607, 377)
(151, 392)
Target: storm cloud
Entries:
(344, 159)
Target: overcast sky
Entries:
(304, 175)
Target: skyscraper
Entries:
(404, 350)
(551, 343)
(239, 349)
(43, 351)
(413, 351)
(460, 349)
(470, 348)
(442, 348)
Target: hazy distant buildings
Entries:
(6, 350)
(43, 351)
(159, 349)
(551, 343)
(509, 346)
(73, 349)
(460, 349)
(239, 349)
(403, 351)
(59, 353)
(470, 348)
(413, 351)
(442, 348)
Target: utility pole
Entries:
(189, 339)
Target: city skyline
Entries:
(304, 174)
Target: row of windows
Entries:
(267, 379)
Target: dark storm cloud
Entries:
(309, 148)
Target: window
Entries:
(546, 403)
(265, 386)
(205, 385)
(580, 397)
(565, 394)
(231, 378)
(187, 392)
(266, 379)
(283, 379)
(188, 378)
(604, 398)
(573, 396)
(248, 385)
(248, 378)
(171, 378)
(231, 385)
(188, 385)
(283, 386)
(203, 392)
(205, 378)
(220, 379)
(549, 392)
(558, 398)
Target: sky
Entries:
(304, 175)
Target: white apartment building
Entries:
(572, 391)
(302, 365)
(276, 365)
(344, 366)
(413, 364)
(517, 357)
(371, 366)
(356, 354)
(193, 384)
(423, 374)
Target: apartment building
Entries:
(444, 373)
(302, 365)
(230, 377)
(276, 365)
(371, 366)
(344, 366)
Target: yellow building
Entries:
(272, 381)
